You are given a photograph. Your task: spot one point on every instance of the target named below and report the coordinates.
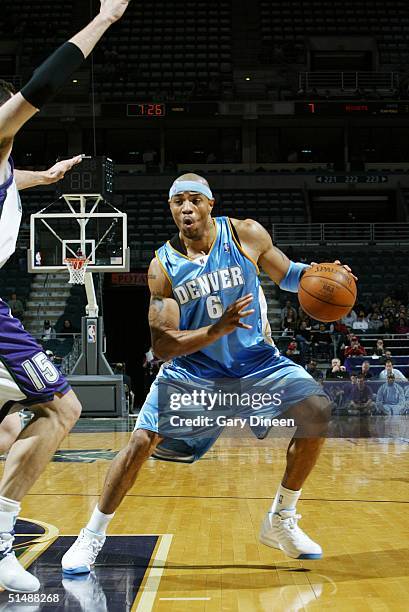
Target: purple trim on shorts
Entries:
(17, 347)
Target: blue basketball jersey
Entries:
(204, 287)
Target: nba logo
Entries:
(226, 247)
(92, 333)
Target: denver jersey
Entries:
(204, 287)
(10, 216)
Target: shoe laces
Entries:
(85, 542)
(290, 524)
(6, 543)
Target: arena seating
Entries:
(15, 278)
(159, 51)
(166, 51)
(379, 270)
(150, 222)
(288, 23)
(40, 23)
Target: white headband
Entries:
(191, 186)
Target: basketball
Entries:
(327, 292)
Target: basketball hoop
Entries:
(77, 266)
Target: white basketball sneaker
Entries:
(81, 556)
(280, 530)
(13, 576)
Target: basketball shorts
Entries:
(27, 376)
(187, 409)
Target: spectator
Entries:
(360, 397)
(365, 366)
(387, 357)
(349, 388)
(340, 328)
(355, 349)
(289, 325)
(389, 370)
(402, 312)
(390, 398)
(402, 327)
(337, 371)
(48, 332)
(374, 323)
(303, 337)
(387, 303)
(361, 323)
(287, 311)
(293, 353)
(350, 318)
(16, 307)
(375, 309)
(379, 350)
(386, 327)
(313, 371)
(406, 399)
(322, 341)
(68, 327)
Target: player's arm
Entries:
(51, 76)
(168, 341)
(26, 178)
(279, 268)
(285, 273)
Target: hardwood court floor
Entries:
(355, 505)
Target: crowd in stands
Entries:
(363, 377)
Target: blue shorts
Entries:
(283, 382)
(27, 376)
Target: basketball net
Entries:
(77, 266)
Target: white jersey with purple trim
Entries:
(10, 216)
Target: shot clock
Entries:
(94, 175)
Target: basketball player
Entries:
(26, 374)
(207, 322)
(11, 426)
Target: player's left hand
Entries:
(58, 171)
(338, 263)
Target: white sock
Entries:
(285, 499)
(9, 511)
(99, 521)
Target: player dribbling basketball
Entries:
(207, 322)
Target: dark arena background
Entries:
(297, 114)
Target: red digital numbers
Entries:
(151, 110)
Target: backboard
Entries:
(79, 226)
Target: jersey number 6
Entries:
(214, 307)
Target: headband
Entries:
(191, 186)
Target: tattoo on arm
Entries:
(157, 303)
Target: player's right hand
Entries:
(112, 10)
(233, 315)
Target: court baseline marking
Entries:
(150, 588)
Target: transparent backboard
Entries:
(97, 232)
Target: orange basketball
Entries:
(327, 292)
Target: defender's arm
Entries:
(53, 74)
(168, 341)
(26, 179)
